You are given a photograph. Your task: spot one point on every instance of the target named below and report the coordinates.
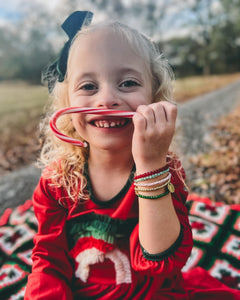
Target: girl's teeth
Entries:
(111, 124)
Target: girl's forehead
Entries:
(106, 50)
(109, 40)
(111, 36)
(99, 42)
(102, 36)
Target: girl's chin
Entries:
(108, 138)
(110, 144)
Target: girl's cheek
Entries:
(73, 102)
(77, 122)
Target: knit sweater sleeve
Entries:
(172, 260)
(51, 271)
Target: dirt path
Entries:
(196, 117)
(194, 124)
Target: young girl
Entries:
(112, 219)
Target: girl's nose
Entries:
(107, 98)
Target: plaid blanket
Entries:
(216, 234)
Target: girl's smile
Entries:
(111, 123)
(105, 72)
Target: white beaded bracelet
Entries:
(155, 182)
(153, 188)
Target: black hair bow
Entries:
(57, 70)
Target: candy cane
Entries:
(85, 110)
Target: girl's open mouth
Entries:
(110, 123)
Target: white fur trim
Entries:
(122, 266)
(93, 256)
(87, 257)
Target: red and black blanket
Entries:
(216, 234)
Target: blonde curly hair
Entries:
(66, 162)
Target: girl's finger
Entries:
(166, 112)
(147, 112)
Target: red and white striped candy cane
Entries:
(84, 110)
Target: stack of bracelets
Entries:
(141, 183)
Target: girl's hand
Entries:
(154, 127)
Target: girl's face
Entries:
(104, 72)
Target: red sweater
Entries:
(92, 250)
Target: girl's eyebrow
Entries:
(82, 76)
(120, 71)
(130, 70)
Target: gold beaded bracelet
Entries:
(170, 188)
(152, 189)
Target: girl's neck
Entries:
(108, 173)
(106, 160)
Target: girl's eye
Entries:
(129, 83)
(88, 87)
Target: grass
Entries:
(20, 103)
(190, 87)
(21, 106)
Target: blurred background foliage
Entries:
(199, 37)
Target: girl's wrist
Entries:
(155, 184)
(149, 167)
(151, 174)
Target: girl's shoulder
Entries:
(51, 186)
